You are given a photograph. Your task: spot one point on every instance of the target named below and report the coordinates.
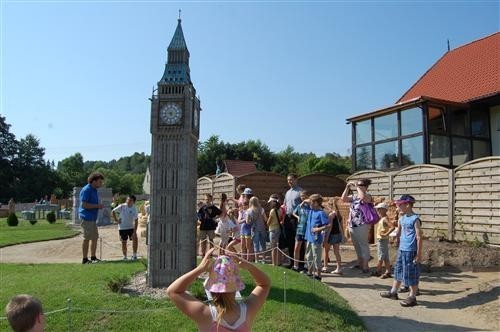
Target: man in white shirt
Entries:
(127, 225)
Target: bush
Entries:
(51, 217)
(12, 220)
(33, 221)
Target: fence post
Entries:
(284, 295)
(100, 248)
(69, 314)
(451, 204)
(391, 186)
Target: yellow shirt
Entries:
(382, 227)
(273, 222)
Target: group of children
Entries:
(319, 229)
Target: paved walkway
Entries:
(450, 300)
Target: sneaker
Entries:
(404, 289)
(409, 302)
(85, 261)
(296, 269)
(317, 278)
(337, 272)
(385, 276)
(134, 257)
(355, 267)
(389, 295)
(324, 269)
(125, 258)
(94, 259)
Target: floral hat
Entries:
(224, 276)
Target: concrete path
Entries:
(450, 300)
(69, 250)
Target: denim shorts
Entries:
(259, 240)
(299, 237)
(335, 238)
(406, 270)
(383, 249)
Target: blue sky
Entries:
(78, 74)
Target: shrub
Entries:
(51, 217)
(12, 219)
(33, 221)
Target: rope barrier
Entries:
(260, 252)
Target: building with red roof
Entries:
(451, 115)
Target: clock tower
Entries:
(175, 114)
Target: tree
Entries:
(72, 173)
(8, 152)
(34, 177)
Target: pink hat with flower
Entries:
(224, 276)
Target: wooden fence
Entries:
(458, 204)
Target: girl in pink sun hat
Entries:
(224, 314)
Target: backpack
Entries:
(369, 212)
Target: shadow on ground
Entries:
(389, 323)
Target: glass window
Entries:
(386, 155)
(479, 123)
(411, 121)
(363, 132)
(437, 120)
(460, 123)
(461, 150)
(439, 150)
(413, 151)
(480, 148)
(386, 126)
(364, 157)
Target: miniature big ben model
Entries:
(175, 131)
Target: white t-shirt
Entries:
(224, 229)
(128, 215)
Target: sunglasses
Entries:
(361, 185)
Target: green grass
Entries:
(24, 232)
(311, 306)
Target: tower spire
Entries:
(179, 19)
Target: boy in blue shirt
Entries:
(317, 222)
(407, 267)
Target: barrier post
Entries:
(100, 249)
(284, 295)
(69, 314)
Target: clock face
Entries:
(170, 114)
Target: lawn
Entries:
(310, 305)
(24, 232)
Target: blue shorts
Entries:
(245, 230)
(335, 238)
(259, 240)
(406, 270)
(299, 237)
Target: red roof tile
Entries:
(239, 167)
(466, 73)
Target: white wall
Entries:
(495, 130)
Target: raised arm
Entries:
(188, 304)
(345, 195)
(259, 294)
